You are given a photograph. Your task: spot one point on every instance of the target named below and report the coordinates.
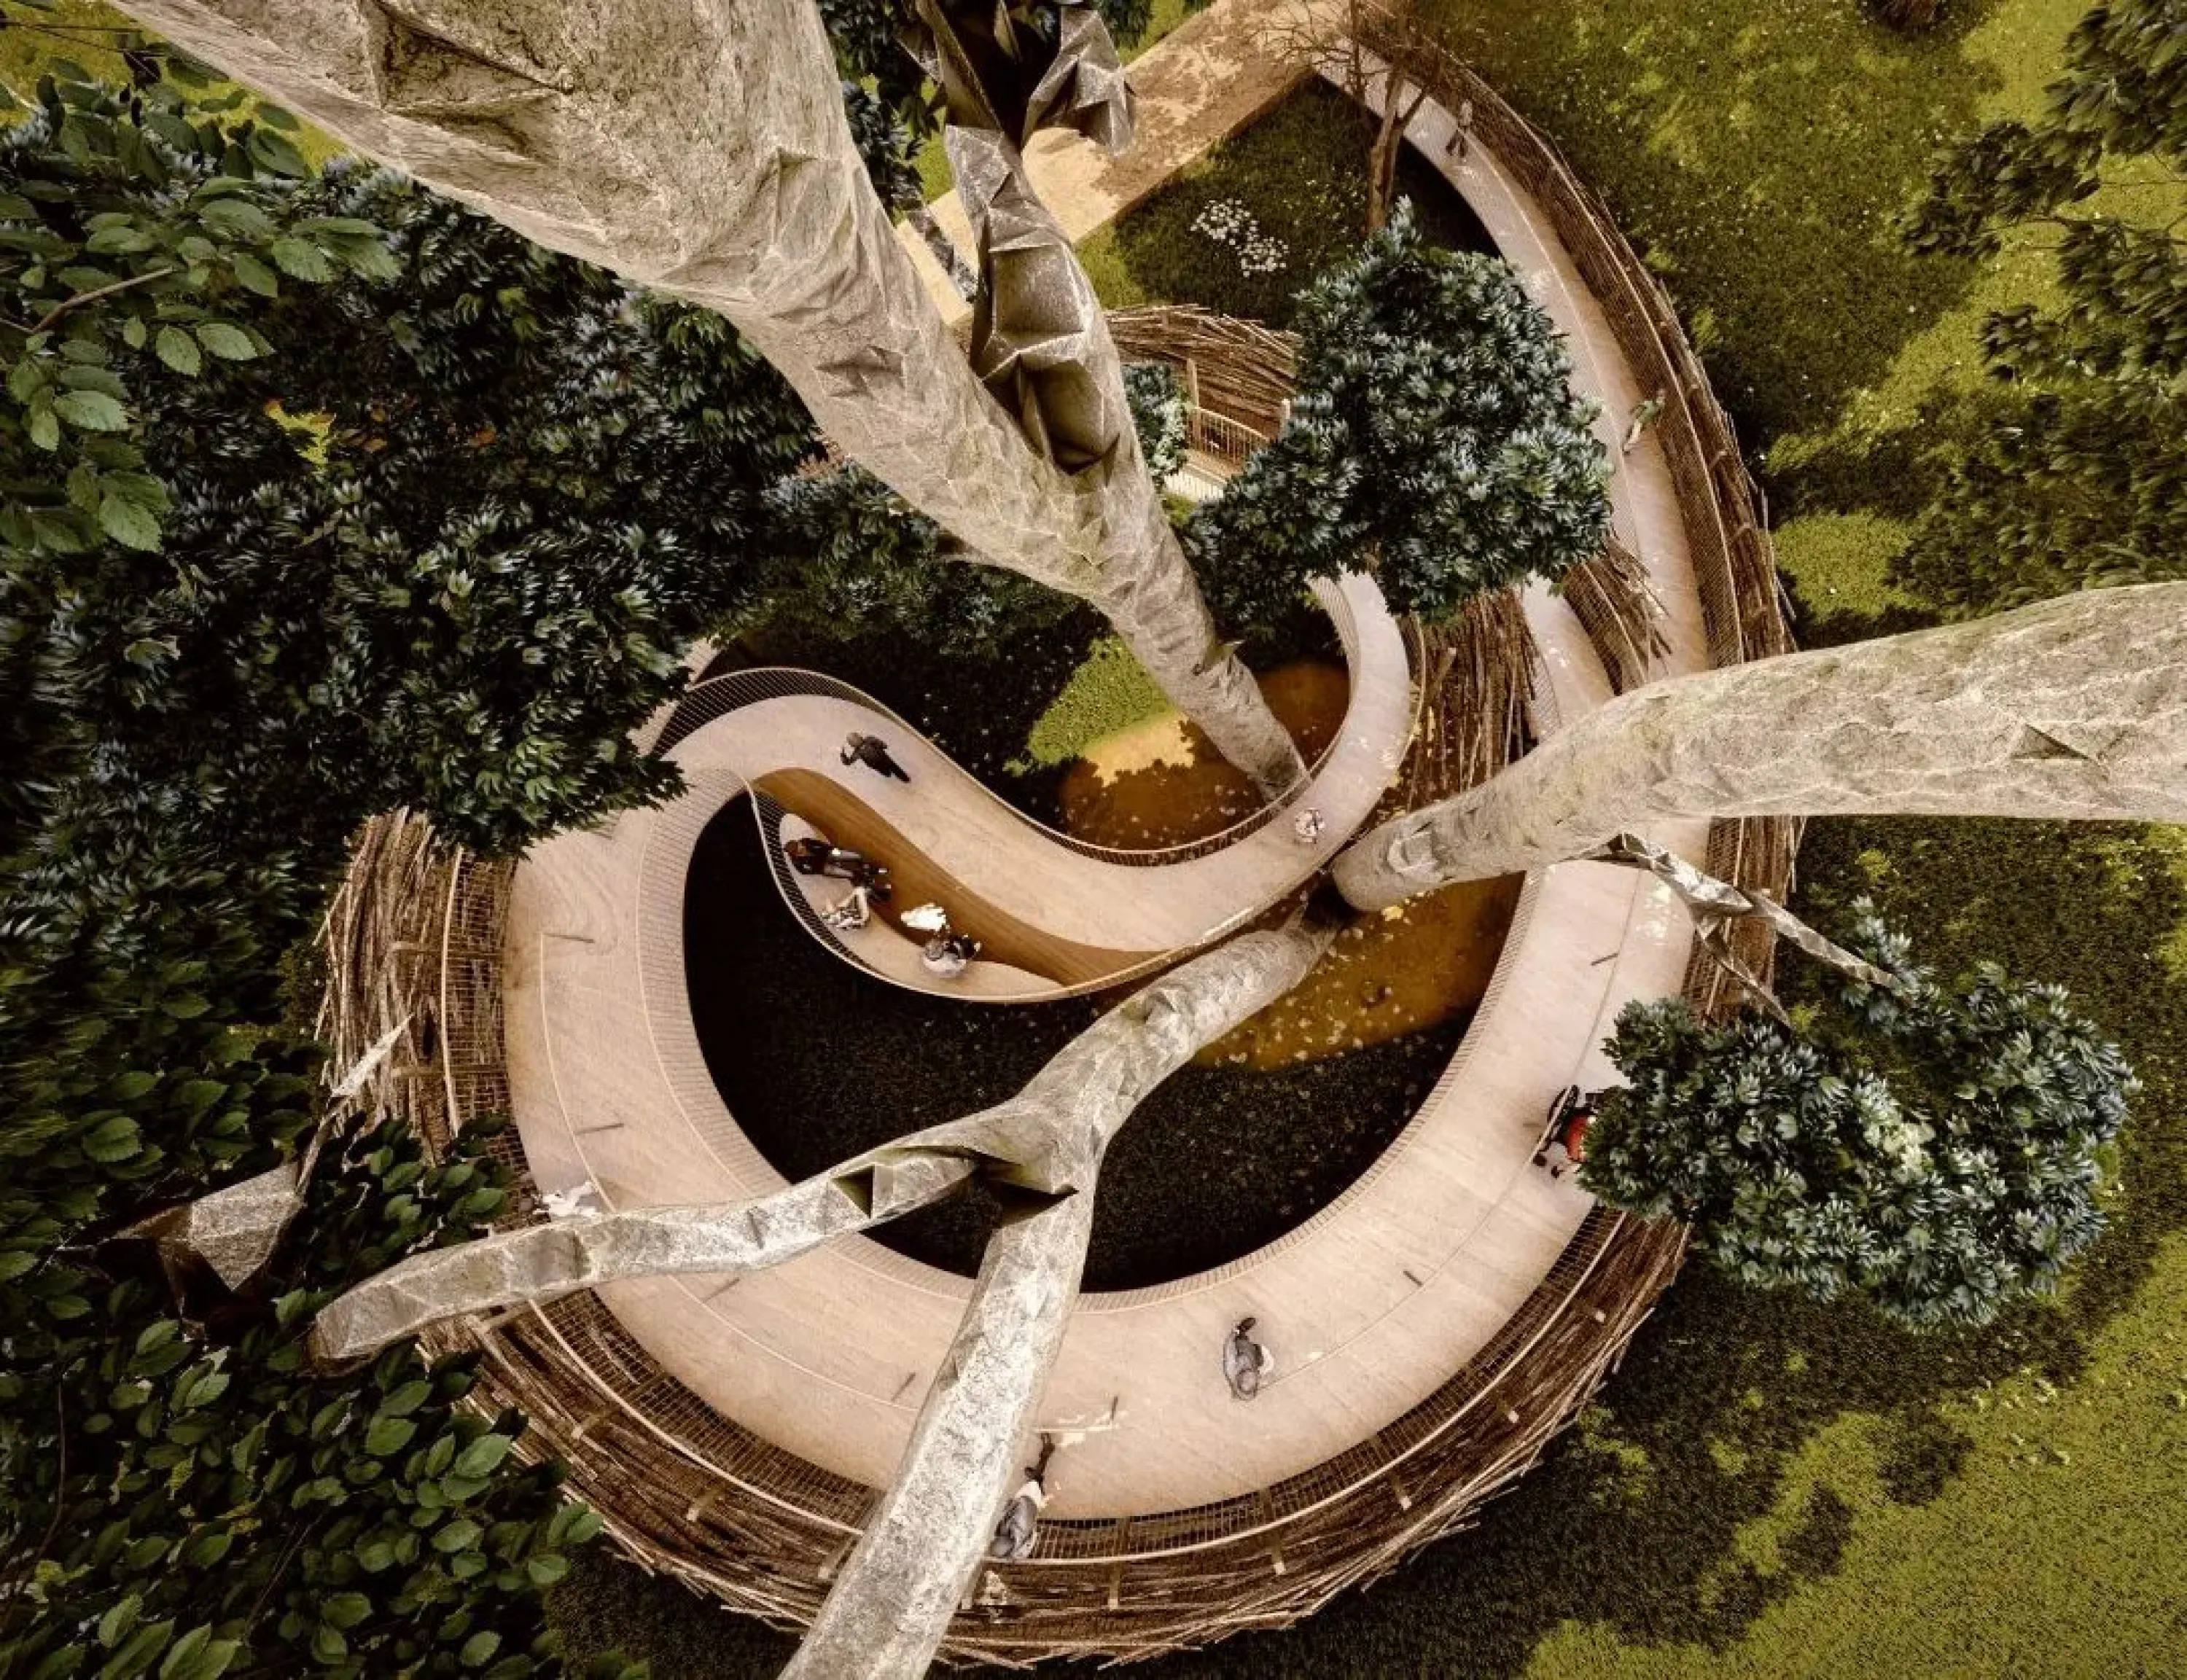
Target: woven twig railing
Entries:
(689, 1493)
(1726, 518)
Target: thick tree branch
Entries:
(2076, 708)
(543, 1262)
(889, 1608)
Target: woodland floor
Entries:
(1771, 1489)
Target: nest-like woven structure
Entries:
(416, 931)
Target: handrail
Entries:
(718, 696)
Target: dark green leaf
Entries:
(91, 411)
(226, 340)
(128, 523)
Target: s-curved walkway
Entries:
(1369, 1306)
(1056, 918)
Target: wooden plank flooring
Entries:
(1368, 1308)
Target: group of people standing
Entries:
(947, 952)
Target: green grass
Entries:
(1301, 173)
(1757, 150)
(1109, 691)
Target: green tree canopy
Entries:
(1435, 437)
(324, 496)
(1934, 1148)
(2080, 478)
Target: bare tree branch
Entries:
(1717, 905)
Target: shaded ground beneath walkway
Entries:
(819, 1062)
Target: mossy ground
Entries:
(1300, 172)
(1770, 1489)
(1159, 781)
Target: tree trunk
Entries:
(540, 1263)
(889, 1609)
(1397, 116)
(2076, 708)
(699, 147)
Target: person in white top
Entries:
(1018, 1531)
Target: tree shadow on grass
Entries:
(1755, 151)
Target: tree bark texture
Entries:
(2075, 708)
(699, 147)
(540, 1262)
(889, 1609)
(1396, 118)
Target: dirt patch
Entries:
(1418, 965)
(1160, 783)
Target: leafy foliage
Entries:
(424, 515)
(1157, 404)
(455, 585)
(138, 230)
(212, 1512)
(1434, 435)
(2083, 482)
(1934, 1148)
(852, 560)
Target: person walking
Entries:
(1645, 413)
(1461, 132)
(872, 752)
(1018, 1531)
(1244, 1361)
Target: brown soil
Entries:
(1419, 966)
(1416, 966)
(1166, 802)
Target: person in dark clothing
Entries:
(1018, 1531)
(1244, 1361)
(811, 856)
(868, 751)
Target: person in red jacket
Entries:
(1563, 1143)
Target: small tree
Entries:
(2081, 478)
(1932, 1148)
(214, 1513)
(1434, 429)
(1383, 60)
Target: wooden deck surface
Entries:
(1368, 1308)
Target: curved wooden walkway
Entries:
(1055, 920)
(1369, 1307)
